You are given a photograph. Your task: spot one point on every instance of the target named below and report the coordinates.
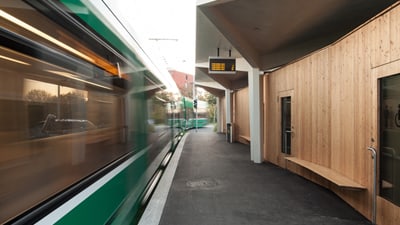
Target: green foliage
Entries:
(212, 106)
(210, 99)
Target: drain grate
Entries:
(206, 183)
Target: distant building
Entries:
(184, 82)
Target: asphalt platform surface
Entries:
(216, 184)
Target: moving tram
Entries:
(186, 116)
(83, 130)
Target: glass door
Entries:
(286, 124)
(389, 154)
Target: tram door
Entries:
(286, 124)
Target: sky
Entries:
(167, 27)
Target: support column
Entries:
(228, 113)
(255, 115)
(228, 106)
(216, 115)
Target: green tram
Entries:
(79, 142)
(184, 115)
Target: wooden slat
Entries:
(240, 115)
(329, 174)
(380, 40)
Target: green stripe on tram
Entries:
(77, 6)
(102, 206)
(99, 207)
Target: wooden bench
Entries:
(327, 173)
(247, 138)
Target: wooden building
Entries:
(320, 112)
(335, 112)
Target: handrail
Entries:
(373, 152)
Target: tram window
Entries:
(83, 136)
(40, 78)
(55, 109)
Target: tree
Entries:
(212, 106)
(37, 95)
(72, 98)
(210, 99)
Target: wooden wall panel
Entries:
(314, 99)
(233, 115)
(266, 115)
(241, 114)
(336, 74)
(301, 110)
(380, 40)
(276, 86)
(342, 154)
(394, 34)
(388, 211)
(222, 114)
(321, 151)
(363, 119)
(334, 108)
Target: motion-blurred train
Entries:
(86, 122)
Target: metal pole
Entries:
(373, 152)
(197, 117)
(195, 97)
(173, 115)
(184, 112)
(58, 102)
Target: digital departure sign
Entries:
(222, 65)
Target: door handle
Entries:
(290, 132)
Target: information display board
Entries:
(221, 65)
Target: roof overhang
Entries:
(268, 34)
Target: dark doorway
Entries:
(286, 123)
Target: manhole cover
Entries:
(202, 183)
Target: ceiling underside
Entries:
(272, 33)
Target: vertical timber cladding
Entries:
(240, 114)
(222, 114)
(334, 112)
